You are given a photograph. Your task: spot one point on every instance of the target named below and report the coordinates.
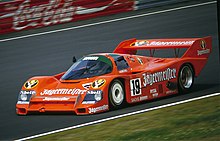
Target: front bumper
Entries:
(64, 106)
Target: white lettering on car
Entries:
(201, 52)
(97, 109)
(150, 79)
(160, 43)
(56, 99)
(91, 58)
(62, 91)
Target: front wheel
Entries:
(185, 79)
(116, 94)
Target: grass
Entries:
(194, 121)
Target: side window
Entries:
(121, 63)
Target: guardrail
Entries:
(27, 14)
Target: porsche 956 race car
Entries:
(100, 82)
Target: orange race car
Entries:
(99, 82)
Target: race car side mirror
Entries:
(74, 59)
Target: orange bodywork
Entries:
(154, 75)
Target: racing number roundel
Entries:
(98, 83)
(31, 84)
(135, 85)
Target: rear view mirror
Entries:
(74, 59)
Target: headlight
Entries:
(98, 97)
(93, 96)
(23, 97)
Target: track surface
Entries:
(52, 53)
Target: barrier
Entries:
(143, 4)
(27, 14)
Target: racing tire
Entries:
(116, 94)
(185, 78)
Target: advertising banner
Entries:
(27, 14)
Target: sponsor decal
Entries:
(122, 71)
(141, 43)
(150, 79)
(153, 91)
(27, 92)
(62, 91)
(135, 85)
(23, 102)
(86, 85)
(31, 84)
(138, 99)
(143, 98)
(160, 43)
(204, 50)
(98, 109)
(56, 99)
(94, 92)
(174, 43)
(203, 44)
(91, 58)
(98, 83)
(88, 102)
(201, 52)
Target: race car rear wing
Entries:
(196, 47)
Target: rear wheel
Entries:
(186, 78)
(116, 94)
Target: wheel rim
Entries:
(117, 94)
(186, 77)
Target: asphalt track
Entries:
(52, 53)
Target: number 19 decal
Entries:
(135, 86)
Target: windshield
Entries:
(87, 67)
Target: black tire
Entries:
(116, 94)
(185, 78)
